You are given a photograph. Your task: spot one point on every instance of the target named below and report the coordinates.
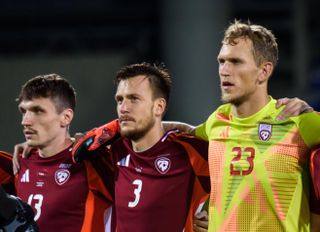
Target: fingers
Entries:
(19, 150)
(200, 226)
(203, 215)
(15, 159)
(200, 222)
(293, 107)
(25, 151)
(282, 102)
(15, 166)
(77, 136)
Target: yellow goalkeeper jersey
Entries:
(259, 169)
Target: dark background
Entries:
(87, 41)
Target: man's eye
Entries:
(38, 111)
(235, 61)
(221, 61)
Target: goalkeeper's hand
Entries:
(94, 139)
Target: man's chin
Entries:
(225, 99)
(32, 143)
(126, 132)
(132, 134)
(228, 99)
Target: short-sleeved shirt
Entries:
(66, 196)
(160, 189)
(259, 169)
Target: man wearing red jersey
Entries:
(65, 196)
(161, 177)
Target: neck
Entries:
(149, 139)
(55, 147)
(248, 108)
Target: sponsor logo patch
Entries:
(162, 165)
(61, 176)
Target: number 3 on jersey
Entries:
(242, 163)
(36, 201)
(138, 186)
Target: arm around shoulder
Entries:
(184, 127)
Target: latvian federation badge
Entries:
(265, 131)
(162, 164)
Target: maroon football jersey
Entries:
(63, 194)
(159, 189)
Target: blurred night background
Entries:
(87, 41)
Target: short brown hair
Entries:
(265, 47)
(52, 86)
(157, 74)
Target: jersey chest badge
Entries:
(265, 131)
(162, 165)
(61, 176)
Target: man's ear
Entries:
(160, 106)
(266, 69)
(66, 117)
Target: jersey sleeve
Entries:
(309, 127)
(100, 171)
(6, 172)
(197, 150)
(100, 177)
(203, 130)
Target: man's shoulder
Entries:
(190, 144)
(222, 109)
(5, 160)
(179, 136)
(5, 155)
(223, 112)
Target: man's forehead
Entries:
(242, 45)
(134, 81)
(139, 83)
(36, 102)
(235, 41)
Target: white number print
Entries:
(36, 200)
(137, 191)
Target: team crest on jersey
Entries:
(162, 164)
(62, 176)
(265, 131)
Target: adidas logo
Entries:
(25, 177)
(124, 161)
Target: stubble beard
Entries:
(234, 100)
(138, 133)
